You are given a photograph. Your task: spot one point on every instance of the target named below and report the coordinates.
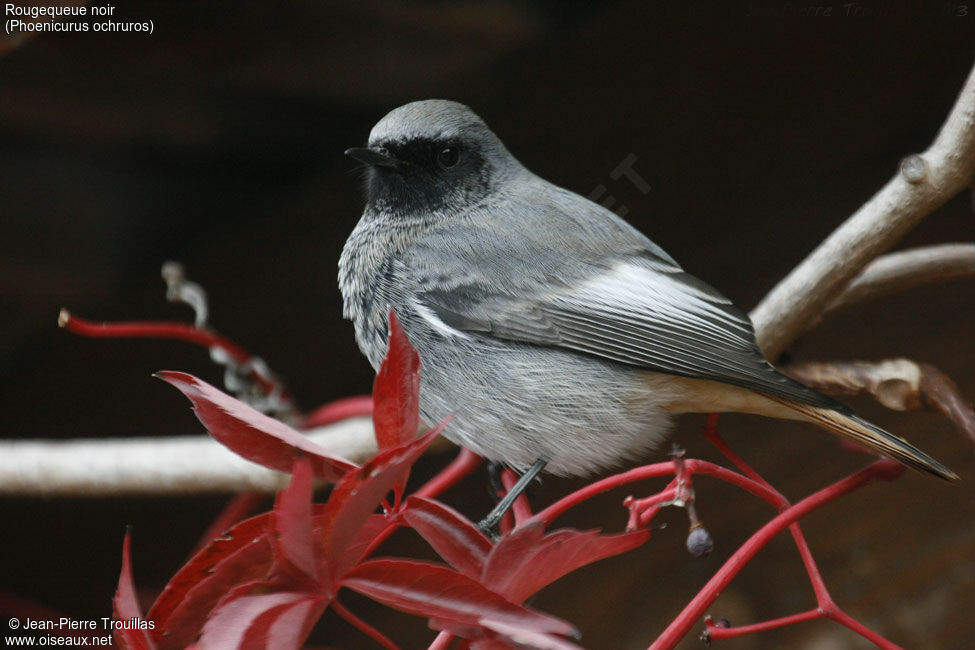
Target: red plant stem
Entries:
(787, 518)
(521, 509)
(152, 330)
(646, 509)
(756, 486)
(552, 512)
(812, 570)
(712, 436)
(657, 499)
(680, 626)
(717, 633)
(340, 409)
(442, 642)
(823, 598)
(240, 506)
(362, 626)
(465, 463)
(506, 525)
(841, 617)
(694, 466)
(161, 330)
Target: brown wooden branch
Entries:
(908, 269)
(923, 183)
(898, 384)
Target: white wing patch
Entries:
(634, 293)
(431, 318)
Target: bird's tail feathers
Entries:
(870, 436)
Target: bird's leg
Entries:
(490, 523)
(494, 469)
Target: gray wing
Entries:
(640, 309)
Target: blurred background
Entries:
(217, 141)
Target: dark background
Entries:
(217, 141)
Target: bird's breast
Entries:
(364, 280)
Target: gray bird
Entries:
(556, 334)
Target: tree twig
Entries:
(905, 270)
(898, 384)
(923, 183)
(172, 465)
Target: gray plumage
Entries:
(548, 326)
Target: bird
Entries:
(555, 334)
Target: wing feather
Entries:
(632, 313)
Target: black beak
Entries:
(373, 156)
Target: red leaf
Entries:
(505, 560)
(396, 395)
(488, 643)
(125, 605)
(367, 534)
(520, 637)
(396, 391)
(292, 543)
(255, 634)
(452, 535)
(238, 508)
(357, 495)
(252, 434)
(291, 627)
(440, 592)
(524, 561)
(242, 554)
(245, 618)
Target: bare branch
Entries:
(895, 383)
(898, 384)
(942, 394)
(923, 183)
(176, 465)
(907, 269)
(902, 270)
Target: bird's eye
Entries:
(448, 156)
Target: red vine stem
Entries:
(465, 463)
(841, 617)
(694, 466)
(161, 330)
(714, 437)
(151, 330)
(680, 626)
(340, 409)
(642, 511)
(711, 435)
(826, 606)
(442, 642)
(362, 626)
(521, 509)
(716, 632)
(789, 514)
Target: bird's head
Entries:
(431, 156)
